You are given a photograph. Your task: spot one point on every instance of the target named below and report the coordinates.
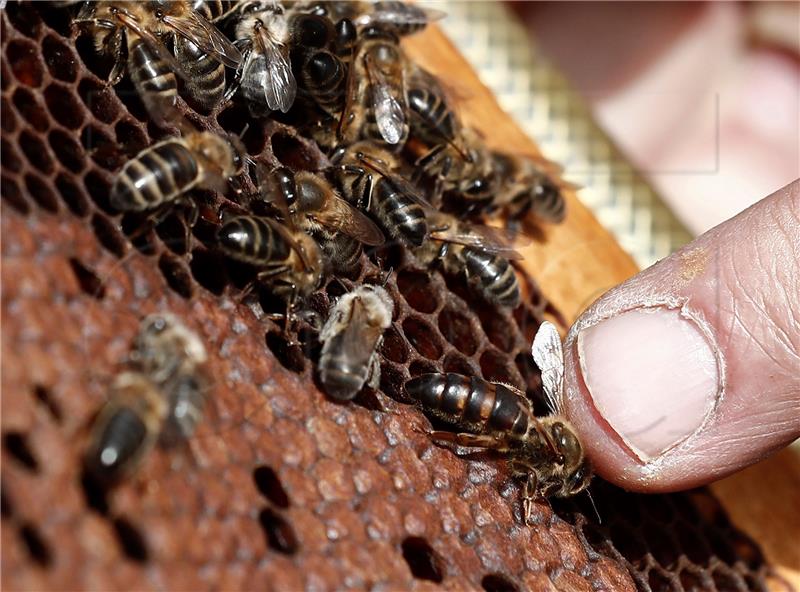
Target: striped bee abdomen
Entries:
(205, 75)
(433, 112)
(252, 240)
(157, 175)
(152, 78)
(402, 217)
(324, 76)
(470, 401)
(495, 276)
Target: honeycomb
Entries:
(281, 488)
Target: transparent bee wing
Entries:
(388, 102)
(397, 13)
(549, 357)
(359, 336)
(340, 215)
(277, 81)
(290, 240)
(487, 238)
(399, 183)
(153, 42)
(205, 35)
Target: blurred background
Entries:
(673, 116)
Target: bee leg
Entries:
(469, 440)
(529, 496)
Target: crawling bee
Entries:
(375, 99)
(160, 400)
(142, 27)
(434, 120)
(266, 73)
(350, 340)
(364, 174)
(545, 451)
(162, 174)
(480, 253)
(205, 73)
(310, 203)
(290, 260)
(399, 17)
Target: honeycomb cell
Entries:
(25, 21)
(289, 355)
(498, 583)
(45, 398)
(99, 188)
(89, 282)
(279, 533)
(31, 110)
(499, 330)
(662, 582)
(422, 337)
(418, 367)
(422, 560)
(176, 274)
(292, 152)
(72, 195)
(392, 379)
(36, 152)
(16, 445)
(207, 270)
(99, 99)
(130, 136)
(23, 56)
(109, 235)
(8, 120)
(394, 347)
(58, 20)
(174, 233)
(37, 547)
(130, 540)
(64, 106)
(457, 328)
(102, 148)
(96, 63)
(455, 362)
(11, 159)
(41, 192)
(67, 150)
(59, 58)
(495, 368)
(10, 192)
(270, 486)
(417, 290)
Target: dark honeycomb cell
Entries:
(109, 235)
(131, 540)
(25, 21)
(16, 444)
(176, 273)
(288, 354)
(392, 380)
(8, 121)
(10, 157)
(457, 328)
(64, 106)
(417, 290)
(422, 560)
(206, 267)
(24, 59)
(418, 367)
(59, 20)
(499, 330)
(30, 107)
(495, 368)
(268, 483)
(279, 533)
(41, 192)
(59, 58)
(67, 150)
(498, 583)
(99, 188)
(38, 549)
(98, 64)
(45, 398)
(10, 192)
(99, 99)
(36, 151)
(455, 362)
(72, 195)
(102, 148)
(292, 152)
(394, 347)
(422, 337)
(88, 280)
(174, 233)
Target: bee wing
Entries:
(340, 215)
(290, 240)
(206, 36)
(359, 337)
(388, 102)
(274, 72)
(153, 42)
(394, 13)
(487, 238)
(549, 357)
(400, 184)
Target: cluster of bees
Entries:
(336, 72)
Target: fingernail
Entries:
(653, 376)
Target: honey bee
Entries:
(526, 187)
(162, 174)
(142, 26)
(480, 253)
(400, 17)
(434, 119)
(290, 260)
(375, 98)
(160, 400)
(350, 340)
(266, 71)
(545, 451)
(309, 202)
(205, 74)
(363, 172)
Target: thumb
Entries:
(690, 370)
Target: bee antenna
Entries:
(244, 130)
(386, 278)
(594, 507)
